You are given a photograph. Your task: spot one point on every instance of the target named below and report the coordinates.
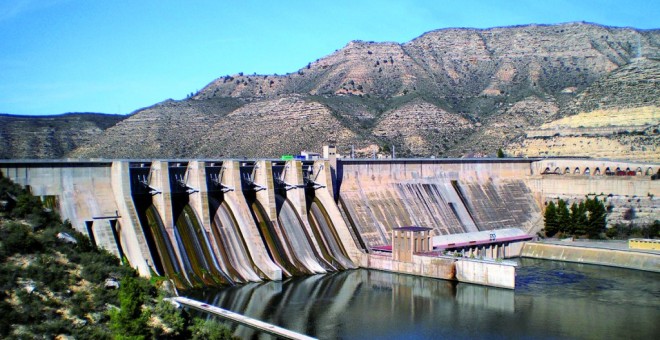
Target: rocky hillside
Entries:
(55, 285)
(618, 117)
(450, 92)
(50, 136)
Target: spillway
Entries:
(195, 250)
(165, 261)
(326, 236)
(274, 241)
(435, 204)
(485, 203)
(295, 236)
(231, 245)
(158, 241)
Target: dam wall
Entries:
(449, 195)
(79, 192)
(465, 195)
(222, 222)
(200, 223)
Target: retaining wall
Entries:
(470, 271)
(599, 256)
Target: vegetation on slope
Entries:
(589, 218)
(584, 218)
(52, 285)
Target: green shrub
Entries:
(81, 304)
(18, 238)
(130, 320)
(210, 329)
(46, 270)
(174, 320)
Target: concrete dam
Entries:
(222, 222)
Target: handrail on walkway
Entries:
(242, 319)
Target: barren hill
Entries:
(449, 92)
(618, 117)
(50, 136)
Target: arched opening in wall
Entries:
(547, 170)
(597, 172)
(577, 171)
(649, 172)
(557, 171)
(608, 172)
(638, 172)
(630, 172)
(567, 171)
(618, 172)
(587, 172)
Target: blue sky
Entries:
(118, 56)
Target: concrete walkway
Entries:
(613, 254)
(609, 244)
(242, 319)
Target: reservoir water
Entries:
(552, 300)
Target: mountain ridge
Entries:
(498, 81)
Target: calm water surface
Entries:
(552, 300)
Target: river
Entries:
(552, 300)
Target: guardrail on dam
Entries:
(214, 222)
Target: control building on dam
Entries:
(221, 222)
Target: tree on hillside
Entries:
(597, 217)
(563, 217)
(130, 321)
(578, 219)
(584, 218)
(550, 217)
(500, 153)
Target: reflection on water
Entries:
(552, 300)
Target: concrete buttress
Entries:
(238, 205)
(324, 195)
(131, 234)
(293, 176)
(160, 180)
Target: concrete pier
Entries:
(132, 237)
(323, 178)
(249, 231)
(486, 273)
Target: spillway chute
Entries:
(325, 232)
(231, 244)
(296, 237)
(277, 249)
(166, 256)
(195, 251)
